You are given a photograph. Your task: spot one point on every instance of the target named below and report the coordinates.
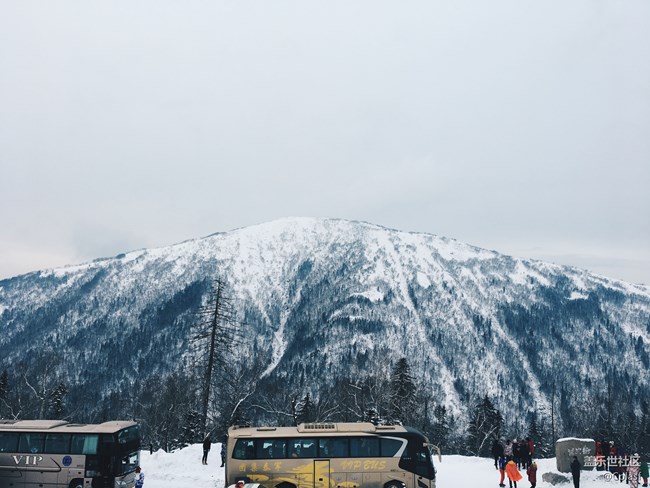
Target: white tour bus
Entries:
(57, 454)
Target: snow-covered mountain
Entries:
(321, 298)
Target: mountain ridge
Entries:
(317, 294)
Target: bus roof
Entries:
(63, 426)
(341, 428)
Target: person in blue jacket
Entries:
(139, 477)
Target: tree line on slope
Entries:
(213, 390)
(169, 409)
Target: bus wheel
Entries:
(76, 484)
(285, 484)
(394, 484)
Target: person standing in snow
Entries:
(532, 474)
(644, 471)
(516, 452)
(530, 451)
(575, 471)
(207, 443)
(223, 452)
(513, 473)
(497, 452)
(633, 471)
(507, 449)
(139, 477)
(502, 469)
(600, 456)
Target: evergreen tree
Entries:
(402, 393)
(440, 429)
(305, 410)
(192, 427)
(484, 426)
(540, 437)
(643, 441)
(371, 415)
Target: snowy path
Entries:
(183, 469)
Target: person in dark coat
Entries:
(516, 452)
(207, 443)
(575, 471)
(497, 452)
(644, 471)
(530, 452)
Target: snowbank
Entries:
(183, 468)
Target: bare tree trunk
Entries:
(215, 334)
(553, 416)
(214, 324)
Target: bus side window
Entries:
(57, 443)
(325, 448)
(31, 443)
(309, 448)
(390, 447)
(279, 449)
(364, 447)
(8, 442)
(302, 448)
(84, 444)
(264, 449)
(244, 449)
(341, 448)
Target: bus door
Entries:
(322, 473)
(422, 482)
(424, 471)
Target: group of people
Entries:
(616, 460)
(521, 451)
(511, 456)
(508, 467)
(207, 444)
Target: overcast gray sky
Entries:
(518, 126)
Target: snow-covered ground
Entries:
(183, 469)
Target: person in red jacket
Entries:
(532, 474)
(513, 473)
(530, 453)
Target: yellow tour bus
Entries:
(330, 455)
(57, 454)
